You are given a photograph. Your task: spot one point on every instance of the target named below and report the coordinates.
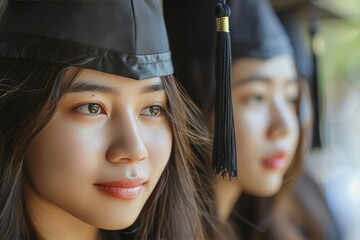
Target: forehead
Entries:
(277, 67)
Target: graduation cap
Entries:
(126, 38)
(256, 30)
(308, 45)
(303, 7)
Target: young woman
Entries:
(85, 144)
(266, 99)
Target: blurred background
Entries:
(334, 163)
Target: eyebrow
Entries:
(251, 79)
(91, 87)
(267, 80)
(152, 88)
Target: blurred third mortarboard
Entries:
(126, 37)
(323, 8)
(300, 18)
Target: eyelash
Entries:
(85, 109)
(100, 109)
(161, 109)
(254, 97)
(292, 100)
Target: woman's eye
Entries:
(253, 99)
(91, 109)
(292, 100)
(292, 95)
(152, 111)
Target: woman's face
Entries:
(99, 158)
(267, 130)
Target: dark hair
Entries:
(29, 94)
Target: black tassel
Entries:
(316, 42)
(224, 149)
(3, 4)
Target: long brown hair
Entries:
(29, 94)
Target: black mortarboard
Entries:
(124, 37)
(303, 7)
(307, 44)
(307, 49)
(256, 31)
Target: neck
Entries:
(53, 223)
(227, 193)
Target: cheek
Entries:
(159, 144)
(64, 152)
(294, 132)
(250, 128)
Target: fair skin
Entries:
(267, 130)
(95, 164)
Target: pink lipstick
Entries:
(275, 160)
(122, 189)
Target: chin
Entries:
(117, 224)
(267, 192)
(264, 191)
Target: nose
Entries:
(281, 117)
(127, 144)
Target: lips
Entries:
(275, 161)
(122, 189)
